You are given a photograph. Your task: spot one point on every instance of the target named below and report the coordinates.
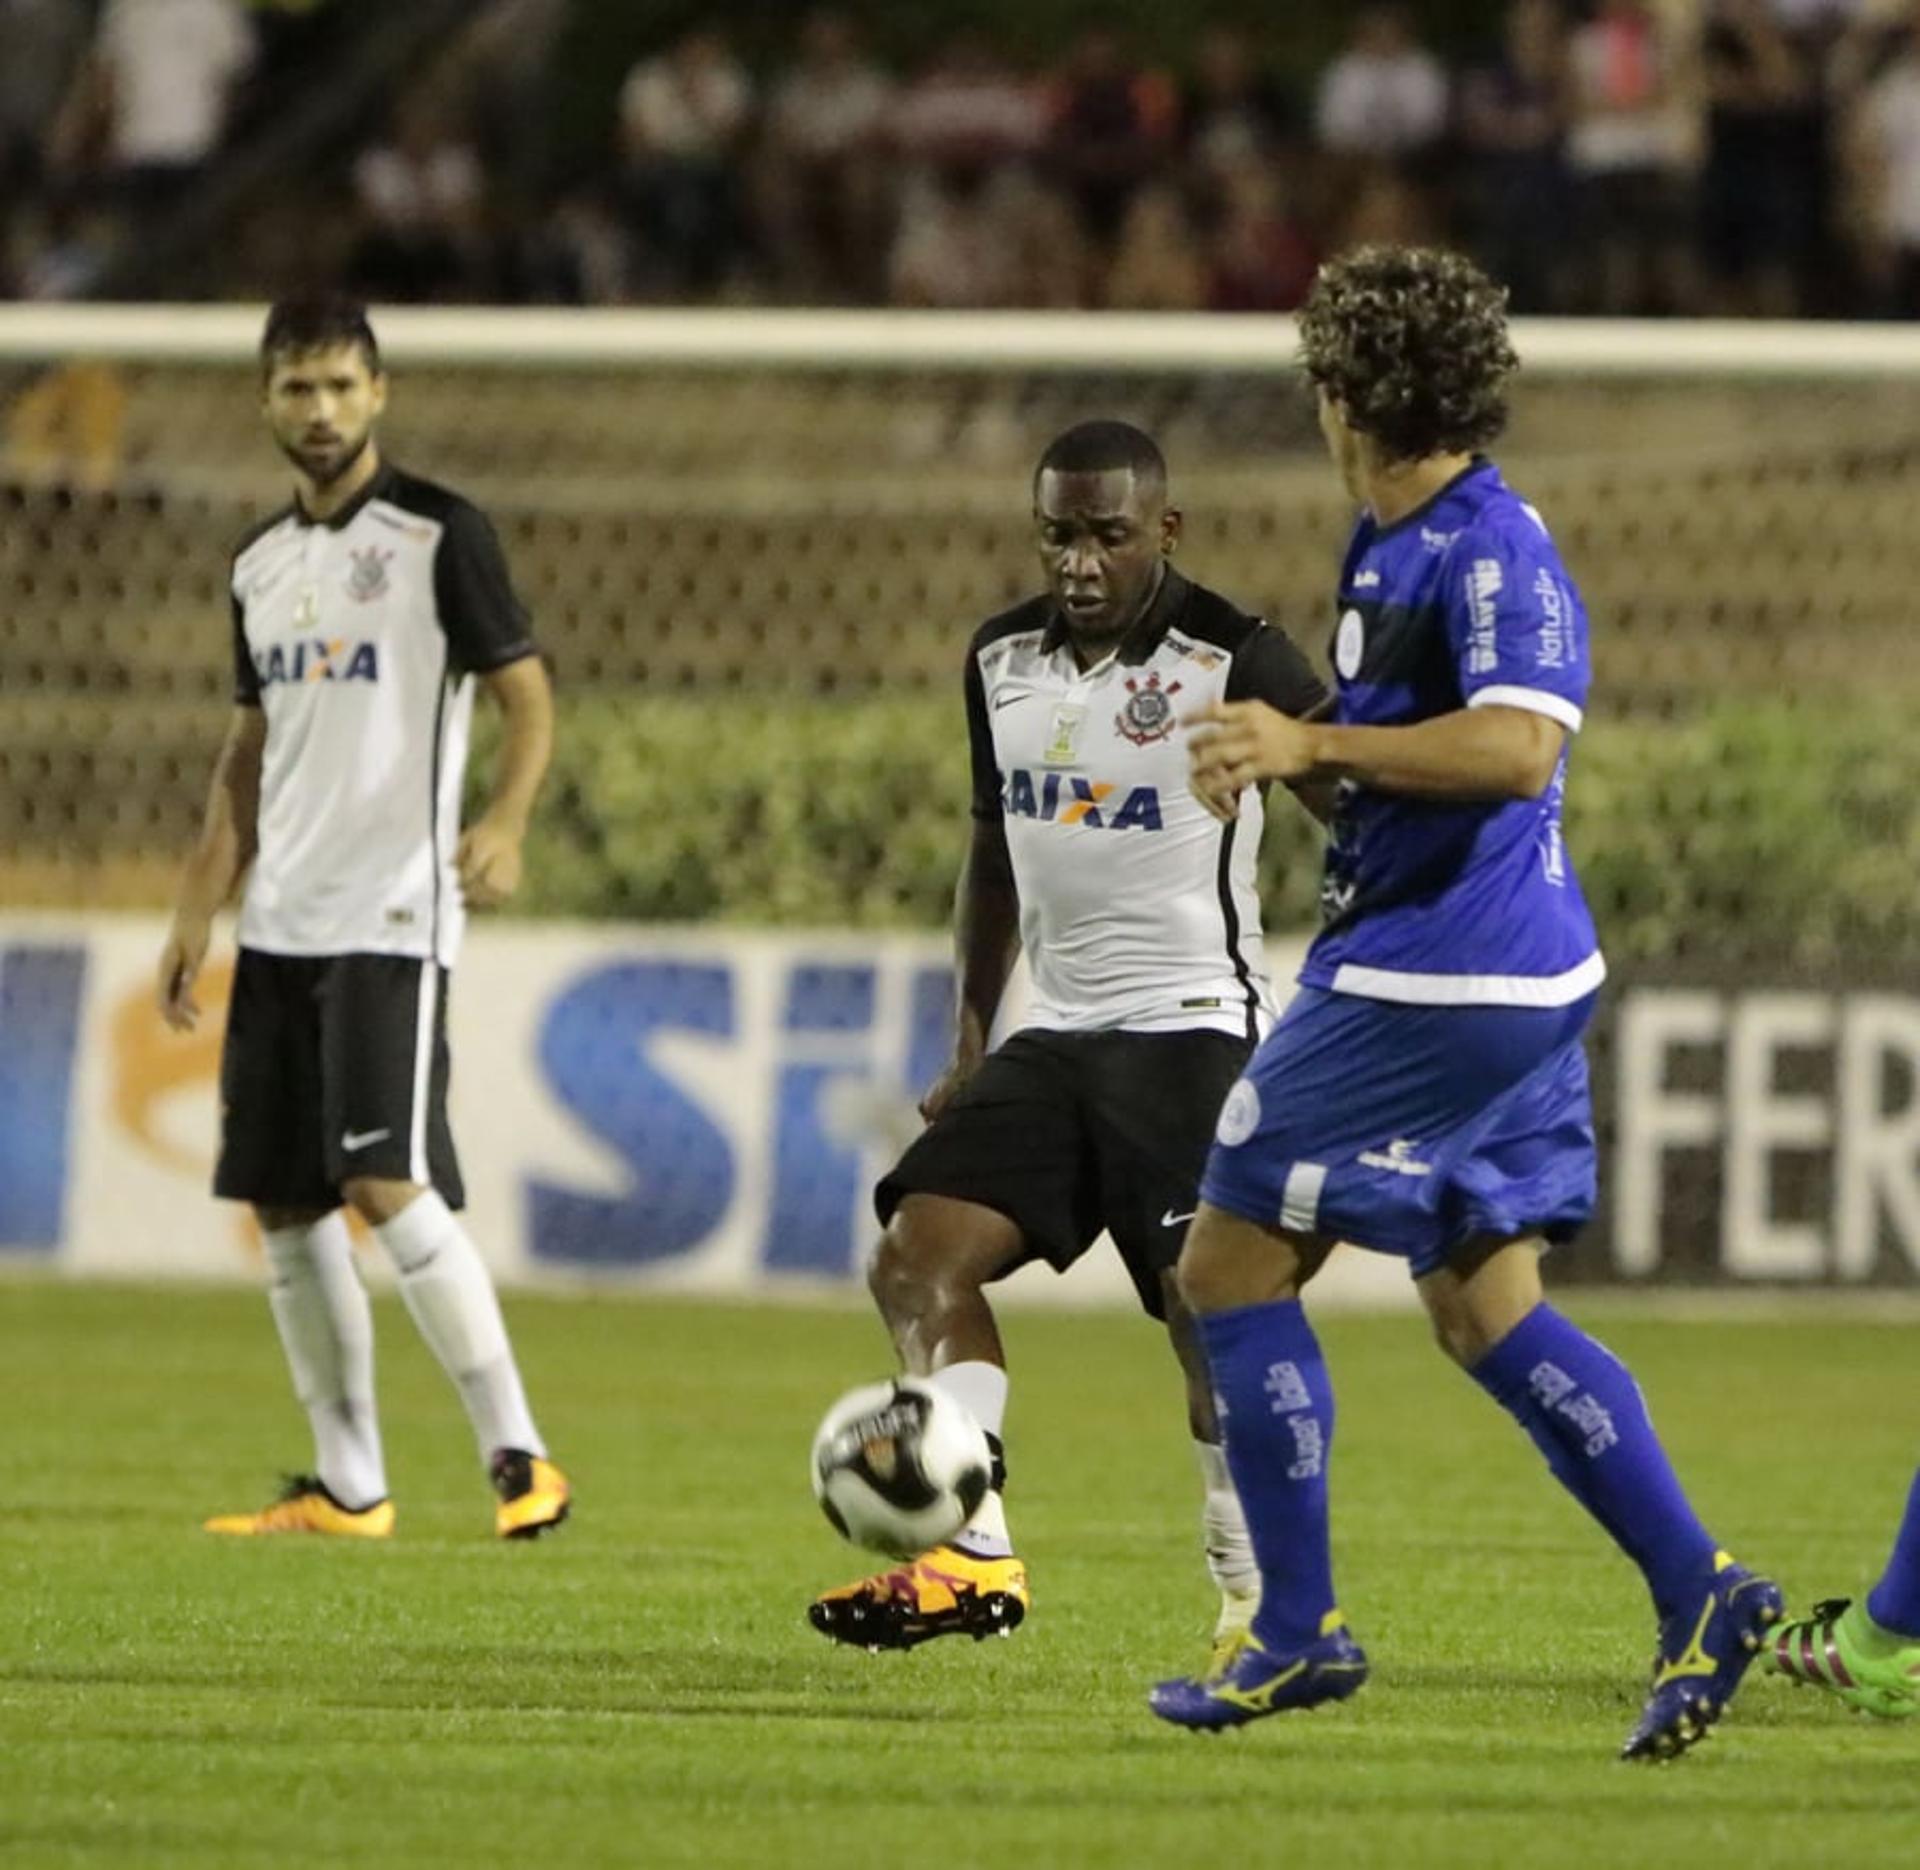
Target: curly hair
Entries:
(1412, 343)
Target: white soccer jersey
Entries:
(360, 636)
(1138, 908)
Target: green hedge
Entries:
(1745, 831)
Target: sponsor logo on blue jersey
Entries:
(1068, 799)
(1554, 641)
(317, 659)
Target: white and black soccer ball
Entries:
(900, 1466)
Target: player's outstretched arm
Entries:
(218, 861)
(489, 855)
(986, 940)
(1472, 753)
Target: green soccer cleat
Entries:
(1840, 1648)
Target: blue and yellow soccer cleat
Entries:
(1258, 1682)
(944, 1592)
(1841, 1649)
(533, 1493)
(305, 1505)
(1704, 1651)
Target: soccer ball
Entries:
(899, 1466)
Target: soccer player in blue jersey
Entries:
(1425, 1094)
(1866, 1655)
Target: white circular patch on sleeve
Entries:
(1239, 1115)
(1348, 643)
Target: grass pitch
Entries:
(642, 1689)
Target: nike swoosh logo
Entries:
(360, 1139)
(1007, 701)
(1170, 1219)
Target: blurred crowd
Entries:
(1745, 157)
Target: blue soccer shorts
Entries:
(1411, 1129)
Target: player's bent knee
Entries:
(1454, 1331)
(377, 1199)
(907, 1272)
(1228, 1262)
(286, 1220)
(935, 1251)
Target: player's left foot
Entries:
(1841, 1649)
(944, 1592)
(1258, 1681)
(305, 1505)
(534, 1495)
(1704, 1651)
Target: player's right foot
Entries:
(1260, 1681)
(944, 1592)
(305, 1505)
(1841, 1649)
(1705, 1649)
(534, 1495)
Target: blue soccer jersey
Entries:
(1462, 604)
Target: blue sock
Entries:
(1894, 1603)
(1276, 1417)
(1585, 1413)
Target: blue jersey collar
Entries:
(1480, 464)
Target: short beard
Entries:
(327, 478)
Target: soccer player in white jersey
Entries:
(365, 614)
(1140, 918)
(1425, 1094)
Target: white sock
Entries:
(326, 1330)
(982, 1389)
(448, 1290)
(1223, 1527)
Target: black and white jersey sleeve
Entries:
(1269, 666)
(246, 672)
(485, 622)
(987, 808)
(246, 678)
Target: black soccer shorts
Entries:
(1067, 1133)
(335, 1066)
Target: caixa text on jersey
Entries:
(317, 659)
(1068, 799)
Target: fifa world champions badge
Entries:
(1063, 736)
(367, 578)
(1148, 714)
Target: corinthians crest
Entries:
(1148, 715)
(368, 577)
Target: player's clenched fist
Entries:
(1231, 744)
(488, 862)
(180, 963)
